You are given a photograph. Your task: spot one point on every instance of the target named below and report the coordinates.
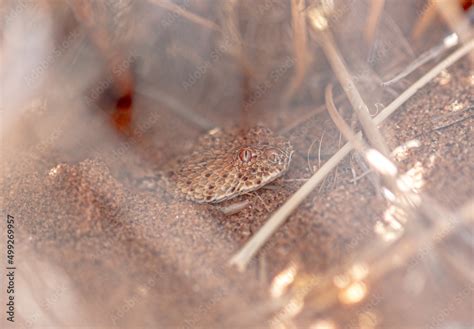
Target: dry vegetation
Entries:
(372, 227)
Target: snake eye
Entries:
(245, 155)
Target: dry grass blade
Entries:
(420, 83)
(448, 42)
(243, 256)
(350, 136)
(345, 79)
(343, 127)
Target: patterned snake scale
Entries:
(223, 165)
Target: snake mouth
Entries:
(246, 190)
(242, 189)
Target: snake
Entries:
(225, 164)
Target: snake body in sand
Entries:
(223, 165)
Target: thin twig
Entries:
(243, 256)
(348, 134)
(343, 127)
(326, 40)
(448, 42)
(451, 123)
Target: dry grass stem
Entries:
(343, 127)
(357, 142)
(345, 79)
(420, 83)
(448, 42)
(349, 135)
(245, 254)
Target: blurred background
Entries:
(96, 94)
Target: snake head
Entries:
(259, 164)
(223, 166)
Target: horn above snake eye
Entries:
(245, 155)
